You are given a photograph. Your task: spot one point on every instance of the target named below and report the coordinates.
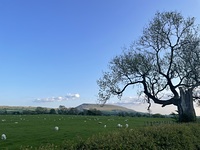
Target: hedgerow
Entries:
(162, 137)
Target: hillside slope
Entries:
(107, 108)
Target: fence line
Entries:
(155, 123)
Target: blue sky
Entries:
(53, 51)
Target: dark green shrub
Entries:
(162, 137)
(167, 137)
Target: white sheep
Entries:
(3, 137)
(119, 126)
(126, 125)
(56, 128)
(104, 126)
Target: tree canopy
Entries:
(165, 59)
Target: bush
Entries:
(168, 137)
(163, 137)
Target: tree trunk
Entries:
(185, 106)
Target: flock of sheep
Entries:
(120, 126)
(3, 136)
(56, 128)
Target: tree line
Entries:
(62, 110)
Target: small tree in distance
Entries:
(165, 61)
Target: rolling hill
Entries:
(106, 109)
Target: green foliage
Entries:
(166, 57)
(41, 110)
(93, 112)
(169, 137)
(157, 116)
(52, 111)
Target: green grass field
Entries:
(37, 130)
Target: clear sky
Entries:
(53, 51)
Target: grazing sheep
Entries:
(56, 128)
(104, 126)
(126, 125)
(119, 126)
(3, 137)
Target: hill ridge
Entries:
(105, 107)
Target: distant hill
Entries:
(106, 109)
(17, 108)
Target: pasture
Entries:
(36, 130)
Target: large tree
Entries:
(165, 61)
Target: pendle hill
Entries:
(106, 109)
